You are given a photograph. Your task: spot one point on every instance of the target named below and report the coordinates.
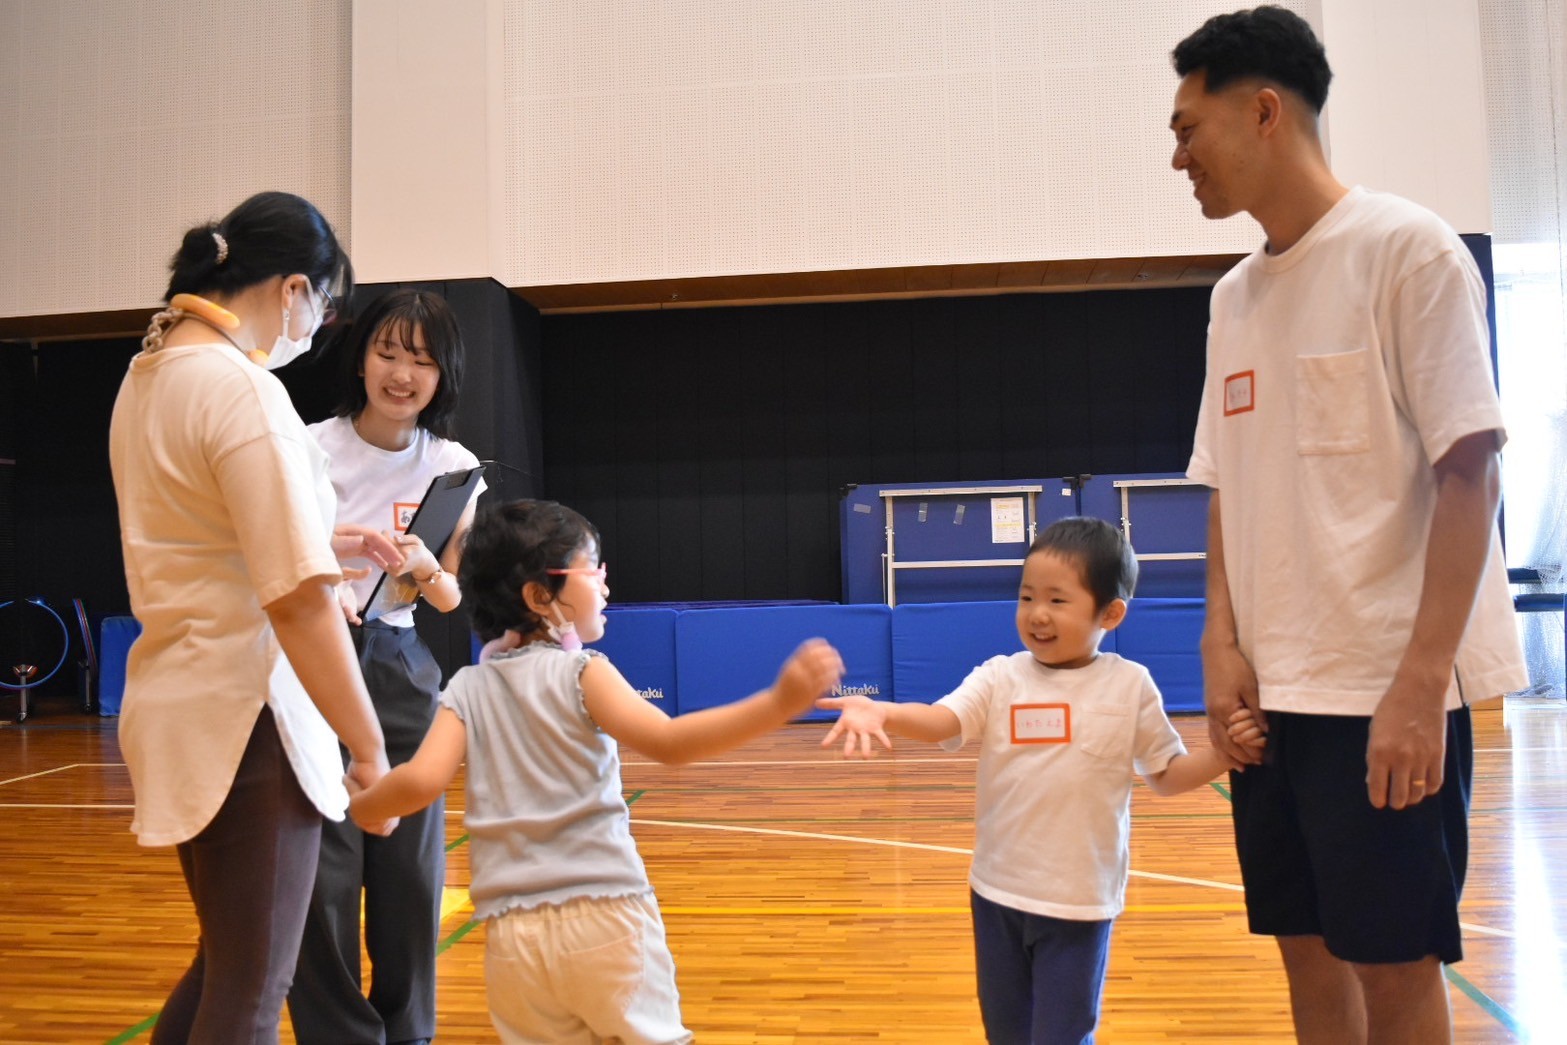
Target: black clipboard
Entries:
(433, 522)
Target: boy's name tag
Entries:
(1041, 724)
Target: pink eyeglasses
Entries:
(601, 571)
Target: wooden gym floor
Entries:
(808, 899)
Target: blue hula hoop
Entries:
(65, 644)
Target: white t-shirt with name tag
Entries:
(1060, 749)
(383, 488)
(1338, 372)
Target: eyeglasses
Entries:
(328, 306)
(601, 571)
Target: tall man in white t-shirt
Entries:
(1349, 428)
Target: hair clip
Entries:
(223, 246)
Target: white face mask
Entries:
(286, 349)
(563, 631)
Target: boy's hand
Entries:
(1245, 730)
(812, 670)
(860, 719)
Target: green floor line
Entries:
(1220, 788)
(134, 1032)
(636, 795)
(1485, 1001)
(146, 1025)
(457, 934)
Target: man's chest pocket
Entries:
(1332, 404)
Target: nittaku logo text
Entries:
(651, 694)
(870, 689)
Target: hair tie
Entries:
(223, 246)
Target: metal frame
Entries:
(1126, 486)
(890, 563)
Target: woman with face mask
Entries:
(243, 680)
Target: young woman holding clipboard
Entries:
(402, 364)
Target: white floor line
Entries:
(824, 760)
(44, 772)
(894, 843)
(63, 806)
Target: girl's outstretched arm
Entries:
(621, 711)
(419, 781)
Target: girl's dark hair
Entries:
(399, 313)
(1105, 558)
(1269, 43)
(508, 545)
(270, 234)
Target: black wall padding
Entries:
(710, 445)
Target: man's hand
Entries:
(1230, 688)
(1407, 746)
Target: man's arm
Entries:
(1404, 755)
(1229, 682)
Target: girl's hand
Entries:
(810, 672)
(418, 560)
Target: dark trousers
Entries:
(249, 873)
(400, 878)
(1040, 978)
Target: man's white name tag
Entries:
(1041, 724)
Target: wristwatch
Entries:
(437, 575)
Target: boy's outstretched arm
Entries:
(621, 711)
(1196, 768)
(862, 719)
(416, 783)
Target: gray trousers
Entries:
(400, 878)
(249, 873)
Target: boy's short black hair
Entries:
(508, 545)
(1269, 43)
(1102, 554)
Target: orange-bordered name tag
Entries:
(1041, 724)
(1240, 392)
(403, 514)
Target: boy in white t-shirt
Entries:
(1063, 728)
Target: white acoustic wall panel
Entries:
(815, 134)
(123, 122)
(1417, 125)
(1526, 106)
(686, 138)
